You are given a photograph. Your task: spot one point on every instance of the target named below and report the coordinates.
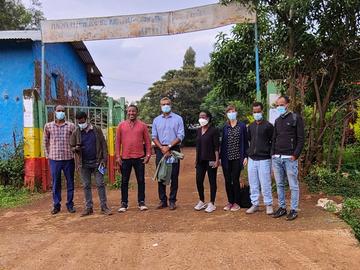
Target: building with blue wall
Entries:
(69, 68)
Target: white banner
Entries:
(143, 25)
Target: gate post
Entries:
(115, 116)
(111, 142)
(35, 163)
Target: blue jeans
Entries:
(286, 168)
(259, 173)
(68, 167)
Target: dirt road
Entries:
(30, 238)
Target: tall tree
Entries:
(15, 16)
(317, 43)
(189, 58)
(186, 88)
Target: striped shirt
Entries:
(57, 140)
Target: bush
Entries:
(351, 214)
(12, 166)
(333, 183)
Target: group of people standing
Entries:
(261, 147)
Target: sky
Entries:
(130, 66)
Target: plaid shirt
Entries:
(57, 141)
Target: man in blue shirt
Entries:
(167, 134)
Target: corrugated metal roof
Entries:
(21, 34)
(93, 73)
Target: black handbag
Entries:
(245, 201)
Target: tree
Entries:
(189, 58)
(316, 44)
(186, 88)
(15, 16)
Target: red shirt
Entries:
(130, 140)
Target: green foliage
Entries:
(189, 58)
(333, 183)
(232, 65)
(15, 16)
(186, 88)
(10, 196)
(117, 184)
(351, 214)
(12, 166)
(357, 123)
(98, 98)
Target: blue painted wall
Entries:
(16, 74)
(62, 60)
(20, 69)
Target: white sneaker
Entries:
(210, 208)
(252, 209)
(143, 207)
(269, 210)
(235, 207)
(123, 208)
(227, 207)
(200, 206)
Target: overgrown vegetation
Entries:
(10, 196)
(12, 166)
(351, 214)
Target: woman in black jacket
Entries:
(207, 160)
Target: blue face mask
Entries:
(231, 115)
(258, 116)
(166, 108)
(60, 115)
(281, 110)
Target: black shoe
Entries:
(87, 212)
(292, 215)
(172, 206)
(162, 205)
(280, 212)
(106, 211)
(55, 210)
(71, 210)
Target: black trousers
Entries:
(201, 168)
(232, 181)
(139, 167)
(174, 179)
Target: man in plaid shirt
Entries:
(61, 158)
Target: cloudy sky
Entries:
(130, 66)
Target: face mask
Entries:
(281, 109)
(166, 108)
(231, 115)
(60, 115)
(83, 126)
(203, 122)
(258, 116)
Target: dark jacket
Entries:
(288, 137)
(244, 145)
(101, 147)
(260, 138)
(211, 137)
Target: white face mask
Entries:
(203, 122)
(83, 126)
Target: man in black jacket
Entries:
(260, 134)
(288, 142)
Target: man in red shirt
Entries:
(131, 136)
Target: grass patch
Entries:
(11, 197)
